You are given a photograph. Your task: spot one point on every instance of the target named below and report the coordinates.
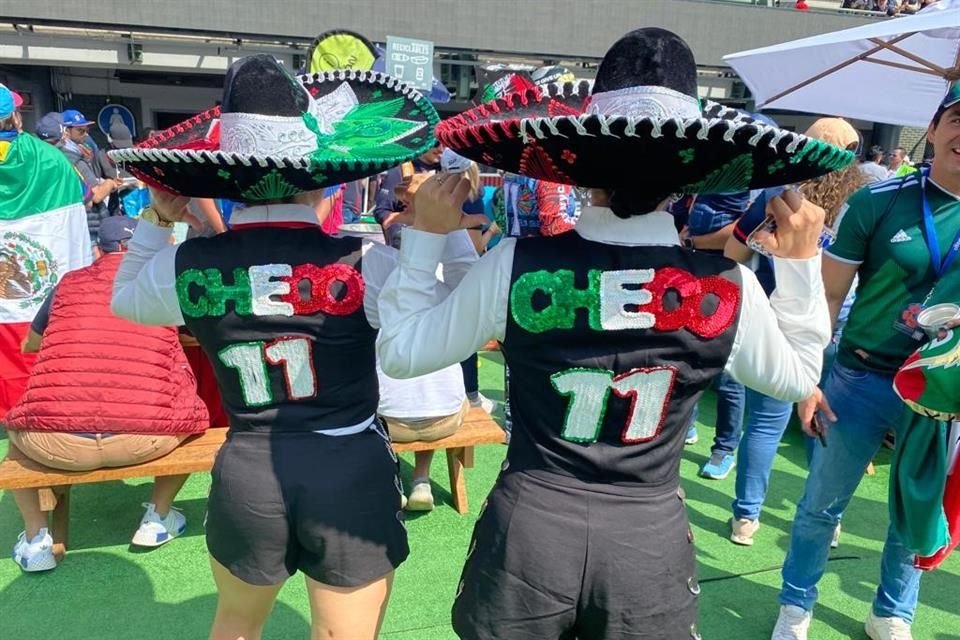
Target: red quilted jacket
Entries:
(97, 373)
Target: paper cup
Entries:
(932, 319)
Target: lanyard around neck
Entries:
(940, 265)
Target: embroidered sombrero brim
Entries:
(546, 133)
(359, 124)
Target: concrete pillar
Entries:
(884, 135)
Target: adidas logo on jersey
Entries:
(900, 236)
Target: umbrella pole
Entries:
(940, 71)
(842, 65)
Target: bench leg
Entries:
(468, 457)
(60, 521)
(458, 484)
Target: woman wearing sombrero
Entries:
(306, 480)
(612, 332)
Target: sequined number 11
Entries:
(589, 390)
(251, 359)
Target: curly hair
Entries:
(832, 190)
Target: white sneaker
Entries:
(878, 628)
(742, 530)
(484, 403)
(421, 497)
(36, 554)
(835, 542)
(155, 531)
(792, 624)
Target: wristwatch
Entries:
(688, 242)
(150, 215)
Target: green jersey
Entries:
(882, 231)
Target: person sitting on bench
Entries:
(422, 409)
(104, 392)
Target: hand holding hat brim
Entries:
(439, 203)
(799, 225)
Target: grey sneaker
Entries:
(878, 628)
(792, 624)
(421, 497)
(35, 554)
(483, 402)
(155, 531)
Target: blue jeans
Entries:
(866, 407)
(767, 419)
(730, 400)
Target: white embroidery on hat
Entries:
(253, 134)
(645, 102)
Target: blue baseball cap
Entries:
(10, 101)
(73, 118)
(952, 97)
(114, 232)
(50, 127)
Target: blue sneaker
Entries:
(718, 466)
(692, 437)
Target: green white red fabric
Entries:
(925, 478)
(929, 380)
(43, 235)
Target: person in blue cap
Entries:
(76, 130)
(50, 128)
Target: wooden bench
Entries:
(197, 454)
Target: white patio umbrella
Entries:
(895, 71)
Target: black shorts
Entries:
(552, 560)
(328, 506)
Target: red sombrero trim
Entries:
(181, 127)
(458, 131)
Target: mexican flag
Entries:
(43, 235)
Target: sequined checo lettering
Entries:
(251, 359)
(625, 299)
(271, 290)
(648, 390)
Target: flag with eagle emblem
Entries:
(43, 235)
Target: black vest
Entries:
(279, 312)
(610, 348)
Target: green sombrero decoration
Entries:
(640, 127)
(929, 380)
(276, 135)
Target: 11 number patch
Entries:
(250, 359)
(649, 391)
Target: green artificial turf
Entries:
(105, 591)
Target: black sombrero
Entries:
(276, 135)
(641, 125)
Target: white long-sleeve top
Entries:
(777, 349)
(145, 288)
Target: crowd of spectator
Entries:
(889, 7)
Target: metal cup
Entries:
(932, 319)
